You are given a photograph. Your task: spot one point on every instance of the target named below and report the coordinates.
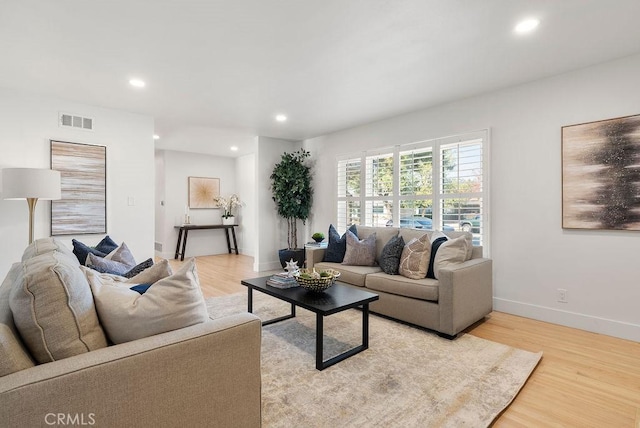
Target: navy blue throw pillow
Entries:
(103, 248)
(107, 245)
(141, 288)
(434, 249)
(337, 245)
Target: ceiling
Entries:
(222, 70)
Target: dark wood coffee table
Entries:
(335, 299)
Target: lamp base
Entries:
(32, 207)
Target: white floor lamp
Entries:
(30, 184)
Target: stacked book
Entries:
(312, 244)
(282, 280)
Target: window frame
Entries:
(438, 196)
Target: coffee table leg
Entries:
(319, 342)
(250, 300)
(365, 326)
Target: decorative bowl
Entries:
(317, 284)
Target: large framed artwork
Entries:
(83, 171)
(202, 190)
(601, 174)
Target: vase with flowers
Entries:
(228, 205)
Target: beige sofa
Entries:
(460, 297)
(207, 374)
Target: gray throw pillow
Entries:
(360, 253)
(391, 254)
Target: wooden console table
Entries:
(184, 231)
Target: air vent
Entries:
(158, 246)
(75, 121)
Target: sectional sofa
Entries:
(461, 296)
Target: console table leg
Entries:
(184, 243)
(178, 244)
(235, 243)
(226, 232)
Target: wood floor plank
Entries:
(583, 380)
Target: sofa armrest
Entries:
(314, 255)
(465, 294)
(204, 375)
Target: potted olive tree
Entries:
(292, 193)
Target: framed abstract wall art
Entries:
(601, 174)
(83, 171)
(202, 190)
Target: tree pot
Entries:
(228, 220)
(297, 254)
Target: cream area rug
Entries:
(407, 378)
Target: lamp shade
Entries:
(24, 183)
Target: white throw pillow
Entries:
(449, 253)
(169, 304)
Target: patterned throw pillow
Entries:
(391, 254)
(360, 252)
(155, 273)
(136, 270)
(337, 246)
(415, 258)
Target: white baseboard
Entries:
(623, 330)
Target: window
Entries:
(435, 184)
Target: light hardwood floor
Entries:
(584, 379)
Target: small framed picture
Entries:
(202, 190)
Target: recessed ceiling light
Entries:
(156, 137)
(526, 26)
(137, 83)
(234, 148)
(281, 118)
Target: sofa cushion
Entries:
(13, 355)
(423, 289)
(171, 303)
(383, 236)
(451, 252)
(415, 258)
(46, 245)
(53, 308)
(360, 252)
(354, 275)
(104, 247)
(337, 246)
(389, 260)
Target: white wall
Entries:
(28, 122)
(178, 166)
(246, 184)
(533, 256)
(272, 228)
